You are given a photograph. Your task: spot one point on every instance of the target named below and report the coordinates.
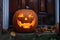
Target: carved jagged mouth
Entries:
(26, 25)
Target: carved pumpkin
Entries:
(25, 20)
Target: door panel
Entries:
(45, 9)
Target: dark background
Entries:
(45, 10)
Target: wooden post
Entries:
(1, 15)
(0, 18)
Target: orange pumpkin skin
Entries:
(25, 20)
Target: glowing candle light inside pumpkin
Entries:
(26, 18)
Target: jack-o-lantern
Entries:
(25, 20)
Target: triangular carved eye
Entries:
(21, 15)
(30, 15)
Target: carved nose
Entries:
(26, 18)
